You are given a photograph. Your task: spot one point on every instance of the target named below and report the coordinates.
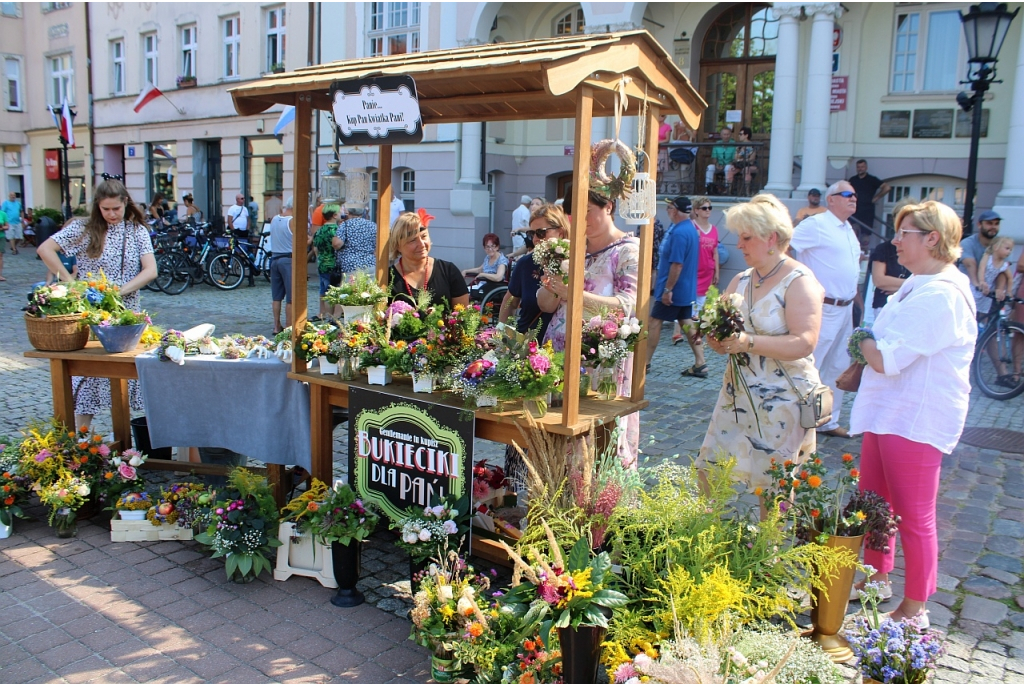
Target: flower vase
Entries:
(441, 670)
(416, 568)
(607, 383)
(132, 514)
(585, 381)
(6, 527)
(378, 375)
(423, 382)
(356, 313)
(327, 367)
(65, 523)
(346, 369)
(346, 573)
(117, 339)
(581, 653)
(828, 606)
(537, 406)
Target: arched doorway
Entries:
(737, 71)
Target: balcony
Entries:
(682, 168)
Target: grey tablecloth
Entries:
(247, 405)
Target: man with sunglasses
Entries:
(828, 245)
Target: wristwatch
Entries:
(750, 342)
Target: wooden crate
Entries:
(144, 531)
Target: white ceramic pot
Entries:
(132, 514)
(6, 528)
(327, 367)
(355, 313)
(422, 382)
(486, 401)
(378, 375)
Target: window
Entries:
(117, 72)
(51, 6)
(12, 84)
(62, 79)
(372, 216)
(408, 183)
(275, 38)
(9, 9)
(232, 43)
(570, 24)
(188, 52)
(928, 52)
(149, 70)
(394, 28)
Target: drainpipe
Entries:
(88, 75)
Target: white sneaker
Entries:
(883, 594)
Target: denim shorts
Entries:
(281, 279)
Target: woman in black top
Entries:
(414, 269)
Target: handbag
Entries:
(849, 380)
(815, 406)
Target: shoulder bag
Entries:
(815, 406)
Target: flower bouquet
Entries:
(119, 475)
(133, 505)
(474, 381)
(721, 318)
(552, 256)
(357, 294)
(408, 322)
(171, 503)
(173, 347)
(449, 342)
(608, 338)
(243, 526)
(315, 340)
(65, 497)
(341, 517)
(53, 317)
(118, 328)
(14, 491)
(488, 484)
(526, 371)
(59, 299)
(423, 532)
(283, 345)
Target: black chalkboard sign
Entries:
(933, 123)
(895, 123)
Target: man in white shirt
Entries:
(238, 217)
(397, 207)
(520, 224)
(828, 245)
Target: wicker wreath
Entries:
(620, 186)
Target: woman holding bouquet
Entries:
(912, 402)
(609, 283)
(413, 269)
(757, 417)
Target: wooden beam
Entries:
(643, 281)
(577, 254)
(566, 77)
(321, 439)
(300, 222)
(63, 397)
(384, 192)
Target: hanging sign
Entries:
(407, 453)
(51, 160)
(377, 111)
(840, 88)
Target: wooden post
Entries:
(577, 254)
(63, 397)
(321, 439)
(119, 415)
(383, 212)
(300, 223)
(644, 275)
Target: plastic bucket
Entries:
(140, 437)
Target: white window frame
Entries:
(61, 78)
(189, 46)
(118, 72)
(231, 35)
(47, 7)
(16, 82)
(408, 183)
(574, 19)
(150, 58)
(920, 52)
(277, 36)
(392, 20)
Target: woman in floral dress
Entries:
(609, 283)
(114, 240)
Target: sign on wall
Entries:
(965, 120)
(894, 123)
(51, 160)
(933, 123)
(405, 453)
(840, 87)
(377, 111)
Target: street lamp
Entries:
(985, 27)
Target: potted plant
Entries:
(277, 67)
(314, 343)
(14, 489)
(65, 497)
(132, 506)
(526, 370)
(116, 327)
(186, 81)
(241, 526)
(54, 317)
(448, 344)
(342, 521)
(358, 294)
(474, 381)
(827, 509)
(574, 594)
(608, 338)
(384, 358)
(423, 533)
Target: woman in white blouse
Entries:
(913, 396)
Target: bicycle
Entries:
(187, 261)
(227, 268)
(996, 367)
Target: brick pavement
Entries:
(87, 610)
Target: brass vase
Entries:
(828, 607)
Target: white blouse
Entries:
(926, 334)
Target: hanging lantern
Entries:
(641, 204)
(332, 184)
(357, 189)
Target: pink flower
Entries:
(43, 456)
(609, 330)
(127, 472)
(481, 489)
(539, 363)
(103, 450)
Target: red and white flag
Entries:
(67, 127)
(149, 93)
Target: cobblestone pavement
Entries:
(86, 609)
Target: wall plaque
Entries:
(895, 123)
(964, 121)
(933, 123)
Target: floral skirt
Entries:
(92, 395)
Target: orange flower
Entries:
(817, 461)
(815, 513)
(9, 501)
(758, 491)
(803, 474)
(773, 460)
(529, 646)
(7, 474)
(475, 629)
(540, 643)
(97, 438)
(527, 678)
(7, 488)
(814, 481)
(787, 463)
(83, 429)
(854, 473)
(313, 506)
(108, 475)
(847, 457)
(783, 483)
(796, 483)
(83, 460)
(70, 434)
(83, 445)
(92, 450)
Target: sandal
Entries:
(1007, 380)
(676, 339)
(696, 371)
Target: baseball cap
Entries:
(526, 199)
(989, 215)
(681, 203)
(814, 191)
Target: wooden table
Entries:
(94, 361)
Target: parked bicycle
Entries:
(996, 366)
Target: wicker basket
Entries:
(57, 333)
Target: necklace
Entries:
(761, 279)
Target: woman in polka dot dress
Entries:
(115, 241)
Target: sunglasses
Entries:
(846, 194)
(491, 245)
(706, 209)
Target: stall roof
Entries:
(533, 79)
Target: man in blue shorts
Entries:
(675, 288)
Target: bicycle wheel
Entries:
(180, 276)
(993, 363)
(226, 271)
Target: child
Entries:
(993, 263)
(326, 260)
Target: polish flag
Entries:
(67, 130)
(149, 93)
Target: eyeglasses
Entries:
(900, 233)
(705, 209)
(491, 245)
(845, 193)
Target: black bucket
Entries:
(140, 437)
